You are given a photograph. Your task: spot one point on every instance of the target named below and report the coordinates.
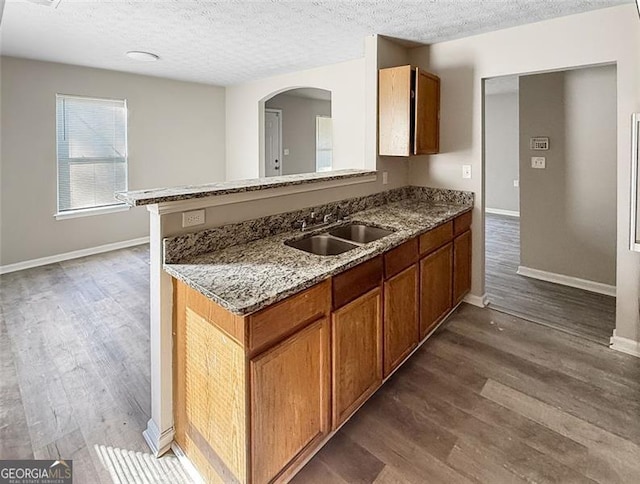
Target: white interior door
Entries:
(273, 142)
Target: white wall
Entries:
(597, 37)
(501, 151)
(244, 116)
(299, 130)
(176, 136)
(568, 209)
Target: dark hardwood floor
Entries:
(581, 313)
(489, 398)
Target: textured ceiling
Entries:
(235, 41)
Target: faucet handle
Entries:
(327, 218)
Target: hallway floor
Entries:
(582, 313)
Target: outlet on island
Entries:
(192, 218)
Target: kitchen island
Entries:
(275, 348)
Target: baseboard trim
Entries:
(479, 301)
(187, 464)
(43, 261)
(158, 442)
(570, 281)
(625, 345)
(499, 211)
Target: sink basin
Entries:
(360, 233)
(321, 245)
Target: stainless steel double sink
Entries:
(339, 240)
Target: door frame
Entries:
(279, 112)
(482, 198)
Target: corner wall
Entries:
(610, 35)
(175, 135)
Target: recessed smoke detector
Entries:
(46, 3)
(142, 56)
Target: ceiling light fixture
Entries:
(142, 56)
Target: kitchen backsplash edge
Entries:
(182, 247)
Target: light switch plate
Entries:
(466, 171)
(516, 183)
(539, 162)
(286, 152)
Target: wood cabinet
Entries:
(356, 338)
(289, 399)
(401, 322)
(435, 287)
(235, 381)
(256, 395)
(445, 270)
(461, 266)
(408, 112)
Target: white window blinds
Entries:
(92, 151)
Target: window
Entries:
(92, 152)
(324, 144)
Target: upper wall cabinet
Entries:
(408, 112)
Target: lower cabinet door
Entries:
(461, 266)
(290, 402)
(401, 322)
(356, 331)
(435, 287)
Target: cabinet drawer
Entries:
(400, 258)
(462, 223)
(275, 322)
(435, 238)
(356, 281)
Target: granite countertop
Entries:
(173, 194)
(248, 277)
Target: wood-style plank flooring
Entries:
(74, 368)
(581, 313)
(494, 399)
(489, 398)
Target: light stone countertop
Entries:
(248, 277)
(172, 194)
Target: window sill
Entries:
(87, 212)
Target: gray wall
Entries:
(568, 210)
(501, 151)
(176, 136)
(299, 130)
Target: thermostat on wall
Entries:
(539, 143)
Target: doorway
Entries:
(550, 198)
(273, 142)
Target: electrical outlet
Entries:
(538, 162)
(466, 171)
(516, 183)
(286, 152)
(385, 177)
(192, 218)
